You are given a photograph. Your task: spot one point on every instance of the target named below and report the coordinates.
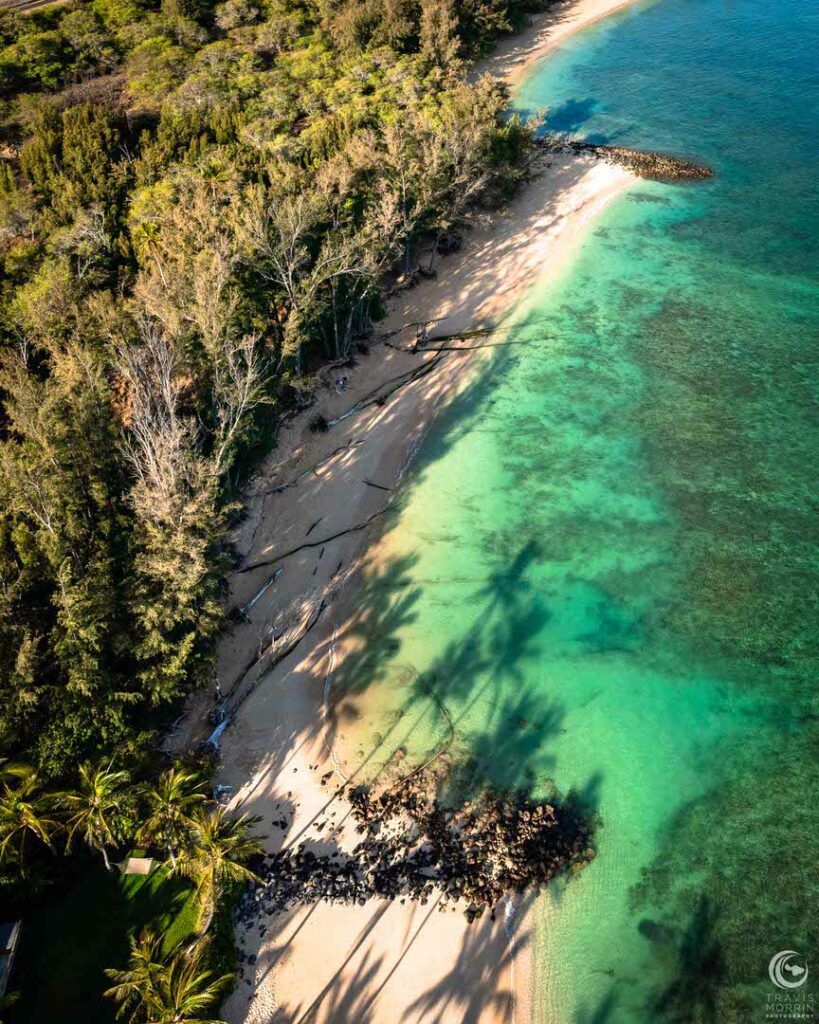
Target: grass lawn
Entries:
(70, 940)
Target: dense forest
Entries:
(200, 204)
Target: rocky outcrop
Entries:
(643, 163)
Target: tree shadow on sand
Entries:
(466, 994)
(346, 997)
(476, 982)
(386, 602)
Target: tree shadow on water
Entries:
(505, 586)
(600, 1014)
(571, 115)
(585, 800)
(510, 752)
(503, 636)
(691, 997)
(479, 690)
(469, 408)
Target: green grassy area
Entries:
(69, 941)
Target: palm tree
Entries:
(171, 803)
(144, 967)
(216, 177)
(95, 807)
(172, 989)
(145, 239)
(25, 811)
(217, 853)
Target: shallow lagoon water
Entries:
(605, 564)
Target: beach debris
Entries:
(379, 396)
(216, 735)
(222, 794)
(313, 526)
(291, 627)
(243, 613)
(313, 470)
(217, 714)
(251, 566)
(319, 424)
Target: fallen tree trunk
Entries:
(314, 544)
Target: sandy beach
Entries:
(516, 56)
(311, 524)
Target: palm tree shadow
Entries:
(386, 600)
(344, 998)
(504, 587)
(477, 980)
(585, 801)
(511, 752)
(691, 997)
(601, 1014)
(499, 736)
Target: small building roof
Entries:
(139, 865)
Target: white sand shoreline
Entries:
(518, 55)
(384, 962)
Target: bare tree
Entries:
(189, 250)
(282, 236)
(162, 444)
(239, 386)
(175, 502)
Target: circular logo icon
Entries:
(786, 970)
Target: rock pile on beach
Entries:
(643, 163)
(413, 847)
(657, 166)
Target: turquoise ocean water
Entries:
(605, 564)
